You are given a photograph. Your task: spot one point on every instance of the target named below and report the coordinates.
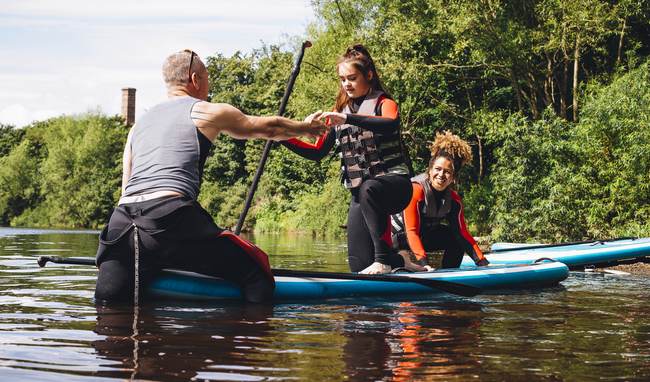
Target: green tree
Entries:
(19, 175)
(9, 138)
(77, 179)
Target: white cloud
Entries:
(70, 56)
(18, 115)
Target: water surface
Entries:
(592, 327)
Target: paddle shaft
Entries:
(447, 286)
(524, 247)
(42, 260)
(269, 143)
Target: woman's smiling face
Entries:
(441, 174)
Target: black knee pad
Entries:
(258, 288)
(115, 282)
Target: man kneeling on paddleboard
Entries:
(434, 218)
(158, 222)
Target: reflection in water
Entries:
(180, 342)
(399, 341)
(595, 327)
(412, 340)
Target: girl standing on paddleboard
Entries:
(434, 220)
(364, 127)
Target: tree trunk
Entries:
(564, 96)
(469, 101)
(480, 158)
(620, 44)
(515, 86)
(549, 97)
(532, 85)
(576, 62)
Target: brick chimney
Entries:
(128, 105)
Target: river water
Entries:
(592, 327)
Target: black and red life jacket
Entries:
(364, 154)
(432, 215)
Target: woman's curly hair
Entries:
(452, 147)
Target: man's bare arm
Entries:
(213, 119)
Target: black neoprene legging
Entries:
(370, 208)
(214, 256)
(442, 238)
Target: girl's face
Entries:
(353, 82)
(441, 174)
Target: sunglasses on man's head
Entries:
(189, 70)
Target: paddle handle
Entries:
(42, 260)
(269, 144)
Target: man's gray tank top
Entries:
(168, 151)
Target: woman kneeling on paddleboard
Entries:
(365, 129)
(434, 218)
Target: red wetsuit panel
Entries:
(251, 250)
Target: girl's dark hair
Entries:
(358, 56)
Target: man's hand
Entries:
(314, 116)
(333, 118)
(315, 124)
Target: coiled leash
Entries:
(136, 305)
(136, 245)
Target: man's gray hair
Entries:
(176, 68)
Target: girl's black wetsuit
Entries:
(377, 197)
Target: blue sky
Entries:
(73, 56)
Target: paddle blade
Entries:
(453, 288)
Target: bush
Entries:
(66, 173)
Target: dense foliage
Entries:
(551, 94)
(65, 172)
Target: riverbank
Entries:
(635, 269)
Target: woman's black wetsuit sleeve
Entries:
(375, 124)
(385, 122)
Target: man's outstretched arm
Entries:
(215, 118)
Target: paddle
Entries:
(447, 286)
(42, 260)
(269, 144)
(523, 247)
